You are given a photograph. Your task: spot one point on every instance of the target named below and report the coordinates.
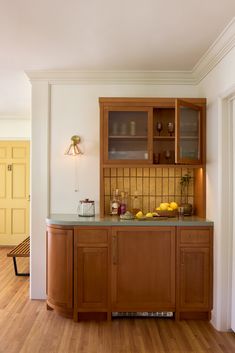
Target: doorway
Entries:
(14, 192)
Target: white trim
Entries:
(217, 51)
(14, 117)
(225, 211)
(113, 77)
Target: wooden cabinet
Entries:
(194, 272)
(152, 131)
(91, 271)
(94, 271)
(60, 269)
(143, 269)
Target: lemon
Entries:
(158, 209)
(149, 214)
(169, 209)
(173, 205)
(164, 206)
(139, 214)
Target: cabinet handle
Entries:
(114, 249)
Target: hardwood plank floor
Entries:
(27, 327)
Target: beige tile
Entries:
(132, 185)
(158, 172)
(172, 186)
(120, 185)
(107, 204)
(178, 172)
(126, 184)
(152, 186)
(190, 187)
(159, 186)
(145, 204)
(133, 172)
(152, 203)
(106, 172)
(113, 172)
(145, 186)
(165, 172)
(177, 187)
(165, 187)
(190, 200)
(139, 172)
(152, 172)
(120, 172)
(139, 185)
(171, 172)
(126, 172)
(107, 190)
(146, 172)
(113, 184)
(158, 200)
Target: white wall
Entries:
(75, 110)
(215, 85)
(60, 111)
(15, 128)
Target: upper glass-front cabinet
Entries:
(127, 135)
(164, 131)
(188, 133)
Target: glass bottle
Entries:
(123, 203)
(114, 204)
(136, 204)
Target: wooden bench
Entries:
(21, 250)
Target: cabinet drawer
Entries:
(91, 236)
(194, 236)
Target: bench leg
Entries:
(16, 270)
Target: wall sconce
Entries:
(73, 149)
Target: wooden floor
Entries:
(26, 326)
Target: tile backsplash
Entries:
(154, 185)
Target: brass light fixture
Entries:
(73, 149)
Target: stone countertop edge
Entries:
(112, 221)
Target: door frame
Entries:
(226, 209)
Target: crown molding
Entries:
(113, 77)
(216, 52)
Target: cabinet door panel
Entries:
(144, 269)
(188, 133)
(60, 267)
(92, 281)
(195, 278)
(128, 134)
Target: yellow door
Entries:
(14, 192)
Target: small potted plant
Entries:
(184, 183)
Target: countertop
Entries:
(75, 220)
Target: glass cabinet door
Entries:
(128, 135)
(188, 133)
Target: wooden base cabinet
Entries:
(91, 271)
(94, 271)
(143, 269)
(60, 270)
(194, 272)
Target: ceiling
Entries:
(105, 35)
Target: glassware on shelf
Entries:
(123, 130)
(170, 128)
(168, 155)
(159, 127)
(115, 128)
(132, 128)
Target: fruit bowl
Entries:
(166, 213)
